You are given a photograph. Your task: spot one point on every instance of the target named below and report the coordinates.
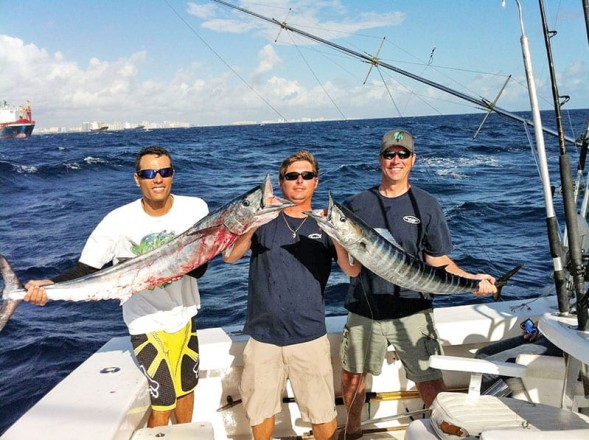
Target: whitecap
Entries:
(26, 169)
(90, 160)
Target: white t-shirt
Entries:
(129, 231)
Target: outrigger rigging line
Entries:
(482, 102)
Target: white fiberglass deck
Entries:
(107, 398)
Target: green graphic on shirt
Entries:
(151, 242)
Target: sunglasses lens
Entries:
(150, 174)
(146, 174)
(306, 175)
(390, 155)
(167, 172)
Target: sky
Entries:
(202, 63)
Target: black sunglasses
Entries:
(293, 175)
(150, 174)
(403, 154)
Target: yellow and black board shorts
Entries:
(170, 361)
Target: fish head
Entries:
(255, 208)
(271, 203)
(336, 222)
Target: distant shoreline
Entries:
(148, 126)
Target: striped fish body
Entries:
(386, 259)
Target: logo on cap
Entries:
(398, 135)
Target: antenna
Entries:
(491, 106)
(374, 61)
(282, 25)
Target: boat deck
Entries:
(106, 397)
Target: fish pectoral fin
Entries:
(205, 231)
(386, 234)
(351, 259)
(228, 251)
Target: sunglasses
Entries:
(293, 175)
(390, 155)
(150, 174)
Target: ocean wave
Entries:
(93, 160)
(26, 169)
(7, 168)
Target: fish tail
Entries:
(502, 281)
(11, 282)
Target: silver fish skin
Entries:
(382, 257)
(204, 240)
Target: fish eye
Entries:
(342, 219)
(246, 203)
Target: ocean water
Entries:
(55, 188)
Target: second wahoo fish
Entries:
(389, 261)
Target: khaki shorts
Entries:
(170, 361)
(414, 338)
(308, 368)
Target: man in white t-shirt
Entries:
(160, 320)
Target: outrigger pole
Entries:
(575, 266)
(482, 102)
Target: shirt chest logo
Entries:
(411, 219)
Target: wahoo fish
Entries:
(205, 239)
(387, 260)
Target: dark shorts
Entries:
(170, 361)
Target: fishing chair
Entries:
(487, 417)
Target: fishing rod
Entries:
(583, 303)
(586, 11)
(482, 102)
(581, 168)
(551, 221)
(575, 267)
(585, 136)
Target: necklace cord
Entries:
(294, 231)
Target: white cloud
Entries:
(308, 15)
(228, 26)
(201, 11)
(574, 79)
(268, 59)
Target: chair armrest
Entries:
(455, 363)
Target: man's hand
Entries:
(486, 285)
(36, 293)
